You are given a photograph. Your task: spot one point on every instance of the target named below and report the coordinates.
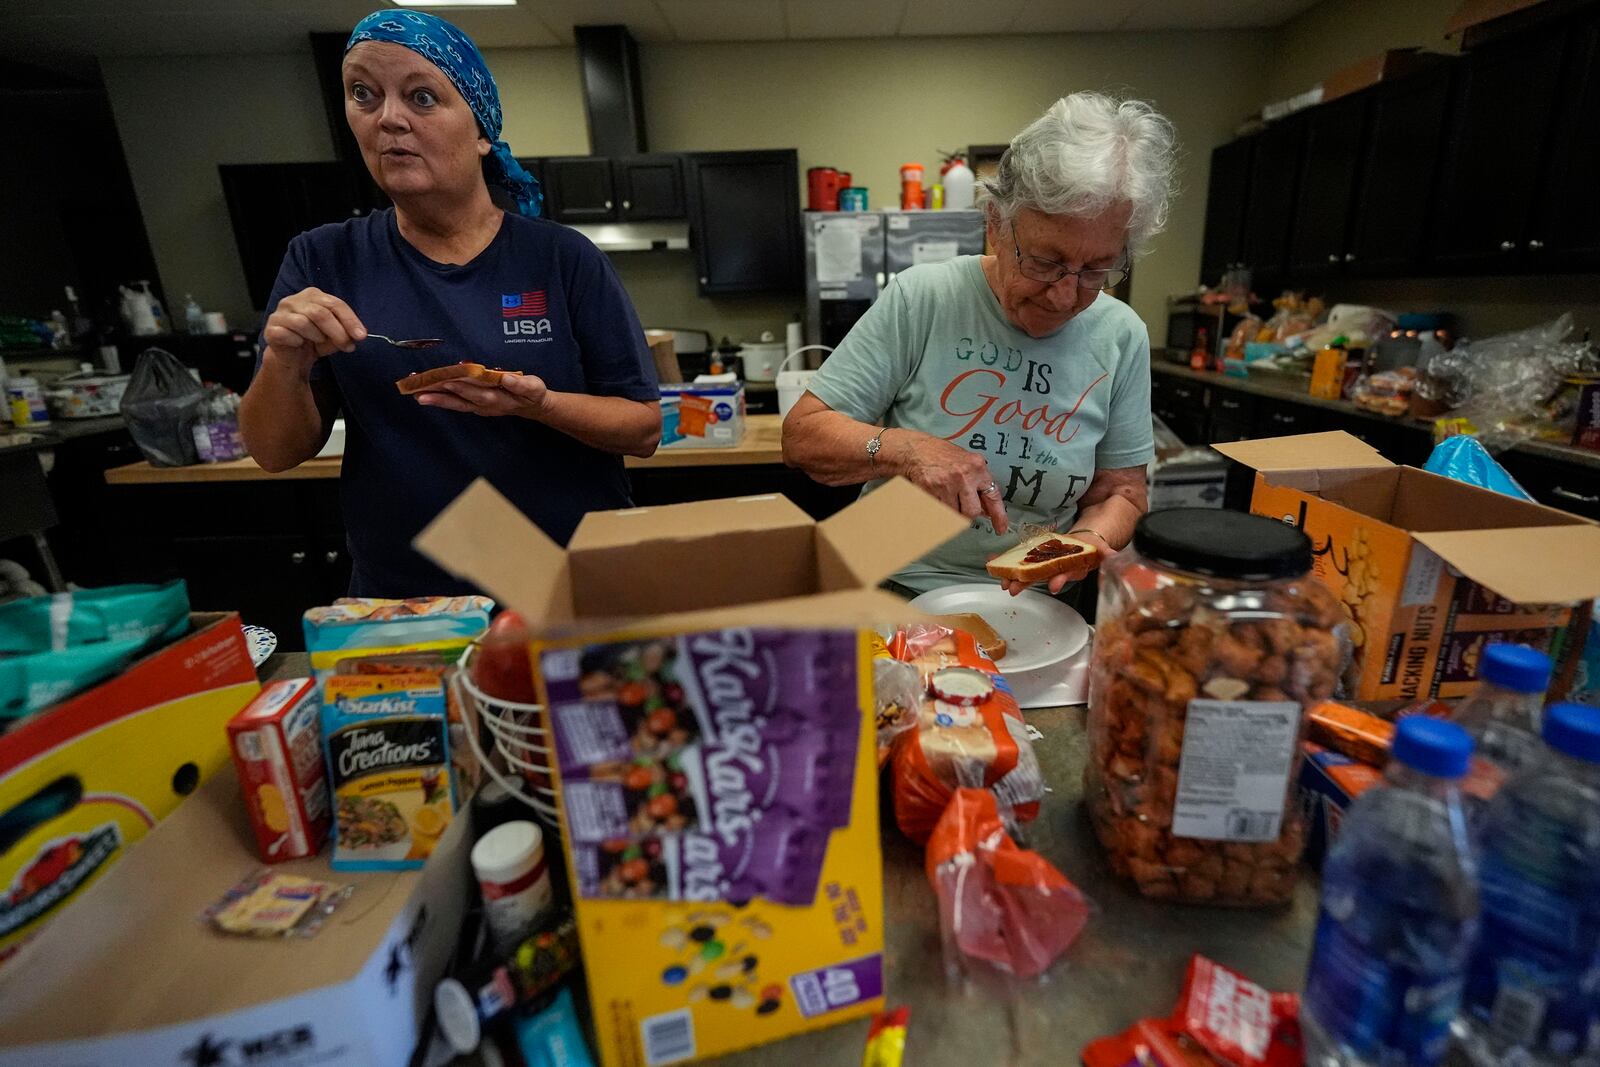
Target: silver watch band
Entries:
(874, 446)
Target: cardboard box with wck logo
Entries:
(1430, 569)
(130, 975)
(708, 681)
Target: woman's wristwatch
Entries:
(875, 446)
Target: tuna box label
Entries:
(388, 755)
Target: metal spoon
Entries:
(419, 342)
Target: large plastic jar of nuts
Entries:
(1213, 638)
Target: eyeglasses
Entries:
(1049, 271)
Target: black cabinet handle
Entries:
(1568, 494)
(1231, 405)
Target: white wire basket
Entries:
(520, 738)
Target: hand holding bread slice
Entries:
(1044, 556)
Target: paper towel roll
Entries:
(793, 338)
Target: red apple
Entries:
(501, 668)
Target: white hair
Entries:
(1087, 152)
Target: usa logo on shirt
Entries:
(524, 315)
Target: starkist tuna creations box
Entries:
(1430, 569)
(709, 687)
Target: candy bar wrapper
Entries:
(1236, 1021)
(719, 807)
(1148, 1043)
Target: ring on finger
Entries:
(992, 489)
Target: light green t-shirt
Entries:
(935, 353)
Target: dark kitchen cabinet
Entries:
(1226, 197)
(1319, 239)
(1274, 178)
(1399, 164)
(648, 187)
(272, 203)
(1566, 231)
(579, 189)
(1502, 100)
(744, 220)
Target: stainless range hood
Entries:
(635, 236)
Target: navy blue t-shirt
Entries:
(540, 299)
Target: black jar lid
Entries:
(1223, 544)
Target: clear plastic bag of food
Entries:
(1002, 909)
(268, 903)
(968, 730)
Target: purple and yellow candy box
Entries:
(719, 810)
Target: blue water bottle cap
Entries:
(1573, 729)
(1515, 667)
(1432, 746)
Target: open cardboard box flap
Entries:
(742, 561)
(1332, 450)
(1533, 565)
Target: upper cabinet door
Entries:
(1566, 231)
(648, 187)
(1319, 241)
(1274, 179)
(578, 189)
(1399, 166)
(1501, 107)
(744, 220)
(1226, 196)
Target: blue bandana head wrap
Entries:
(453, 52)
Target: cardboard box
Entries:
(1431, 569)
(1328, 784)
(664, 351)
(1385, 66)
(702, 416)
(85, 779)
(133, 976)
(731, 571)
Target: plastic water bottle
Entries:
(1399, 912)
(1533, 989)
(194, 319)
(1502, 715)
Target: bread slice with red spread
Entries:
(1044, 556)
(428, 379)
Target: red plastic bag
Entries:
(954, 746)
(1237, 1021)
(998, 904)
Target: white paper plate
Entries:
(1040, 631)
(262, 642)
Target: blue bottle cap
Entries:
(1573, 729)
(1515, 667)
(1432, 746)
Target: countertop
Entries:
(1128, 964)
(1277, 390)
(39, 438)
(762, 444)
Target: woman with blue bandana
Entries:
(512, 291)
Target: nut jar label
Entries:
(1233, 776)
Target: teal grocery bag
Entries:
(55, 645)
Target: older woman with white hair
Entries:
(1004, 384)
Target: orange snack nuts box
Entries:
(1429, 569)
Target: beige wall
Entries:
(1338, 32)
(865, 105)
(179, 118)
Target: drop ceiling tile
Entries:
(228, 33)
(844, 18)
(1213, 14)
(642, 17)
(1070, 16)
(724, 20)
(959, 18)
